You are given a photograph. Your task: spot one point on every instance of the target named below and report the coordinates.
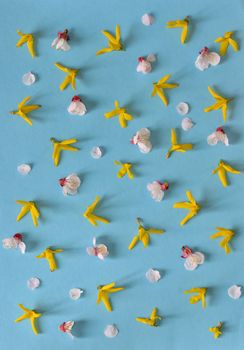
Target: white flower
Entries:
(144, 64)
(70, 184)
(75, 293)
(182, 108)
(206, 58)
(147, 19)
(157, 190)
(218, 136)
(153, 275)
(24, 169)
(61, 42)
(234, 292)
(193, 260)
(187, 124)
(14, 242)
(66, 327)
(111, 331)
(28, 79)
(100, 250)
(96, 152)
(142, 140)
(77, 107)
(33, 283)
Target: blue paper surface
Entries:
(102, 80)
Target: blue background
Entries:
(102, 80)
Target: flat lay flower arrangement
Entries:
(122, 176)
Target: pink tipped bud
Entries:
(220, 129)
(18, 236)
(164, 186)
(62, 181)
(204, 51)
(62, 327)
(186, 251)
(76, 98)
(141, 59)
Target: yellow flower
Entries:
(176, 147)
(152, 321)
(225, 41)
(92, 218)
(180, 24)
(32, 315)
(200, 295)
(27, 39)
(23, 110)
(28, 207)
(121, 113)
(221, 103)
(192, 206)
(49, 254)
(227, 234)
(113, 42)
(125, 169)
(59, 146)
(103, 294)
(71, 74)
(158, 88)
(222, 169)
(216, 330)
(143, 235)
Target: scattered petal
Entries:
(182, 108)
(100, 250)
(153, 275)
(70, 184)
(187, 124)
(77, 107)
(33, 283)
(66, 327)
(157, 189)
(206, 58)
(144, 66)
(28, 79)
(218, 136)
(142, 140)
(111, 331)
(147, 19)
(61, 42)
(234, 292)
(96, 152)
(75, 293)
(151, 57)
(24, 169)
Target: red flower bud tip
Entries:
(76, 98)
(63, 35)
(62, 327)
(186, 251)
(204, 51)
(62, 181)
(18, 236)
(141, 59)
(220, 129)
(164, 186)
(132, 141)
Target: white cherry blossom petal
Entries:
(147, 19)
(182, 108)
(28, 79)
(234, 292)
(153, 275)
(96, 152)
(24, 169)
(213, 58)
(33, 283)
(111, 331)
(187, 124)
(75, 293)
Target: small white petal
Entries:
(147, 19)
(24, 169)
(77, 108)
(187, 124)
(213, 58)
(28, 79)
(111, 331)
(33, 283)
(182, 108)
(96, 152)
(202, 62)
(75, 293)
(153, 275)
(22, 247)
(151, 58)
(144, 67)
(9, 243)
(234, 292)
(212, 139)
(199, 258)
(190, 264)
